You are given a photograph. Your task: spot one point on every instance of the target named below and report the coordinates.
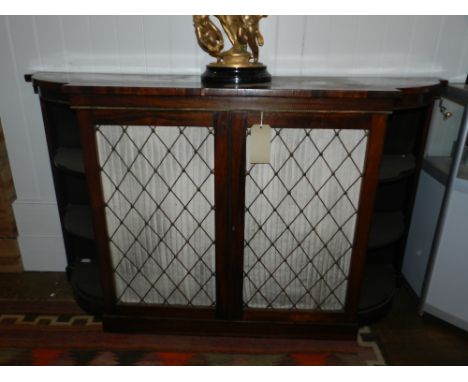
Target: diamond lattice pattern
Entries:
(158, 186)
(300, 219)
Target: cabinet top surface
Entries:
(329, 87)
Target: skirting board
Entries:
(40, 236)
(46, 253)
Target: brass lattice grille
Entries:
(300, 217)
(158, 186)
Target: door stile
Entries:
(366, 205)
(222, 207)
(237, 208)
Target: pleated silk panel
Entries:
(158, 185)
(300, 219)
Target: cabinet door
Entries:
(306, 216)
(152, 181)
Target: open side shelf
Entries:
(386, 229)
(78, 222)
(86, 286)
(396, 167)
(69, 159)
(378, 289)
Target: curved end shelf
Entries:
(69, 159)
(77, 221)
(86, 286)
(396, 167)
(386, 229)
(378, 289)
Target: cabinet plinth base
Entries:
(299, 330)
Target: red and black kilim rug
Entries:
(64, 339)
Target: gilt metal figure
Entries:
(237, 64)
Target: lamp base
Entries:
(216, 75)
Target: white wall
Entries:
(295, 45)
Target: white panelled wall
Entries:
(294, 45)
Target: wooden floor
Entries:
(409, 339)
(406, 338)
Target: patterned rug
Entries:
(31, 339)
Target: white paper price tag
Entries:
(260, 144)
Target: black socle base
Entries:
(217, 75)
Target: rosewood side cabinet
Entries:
(164, 211)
